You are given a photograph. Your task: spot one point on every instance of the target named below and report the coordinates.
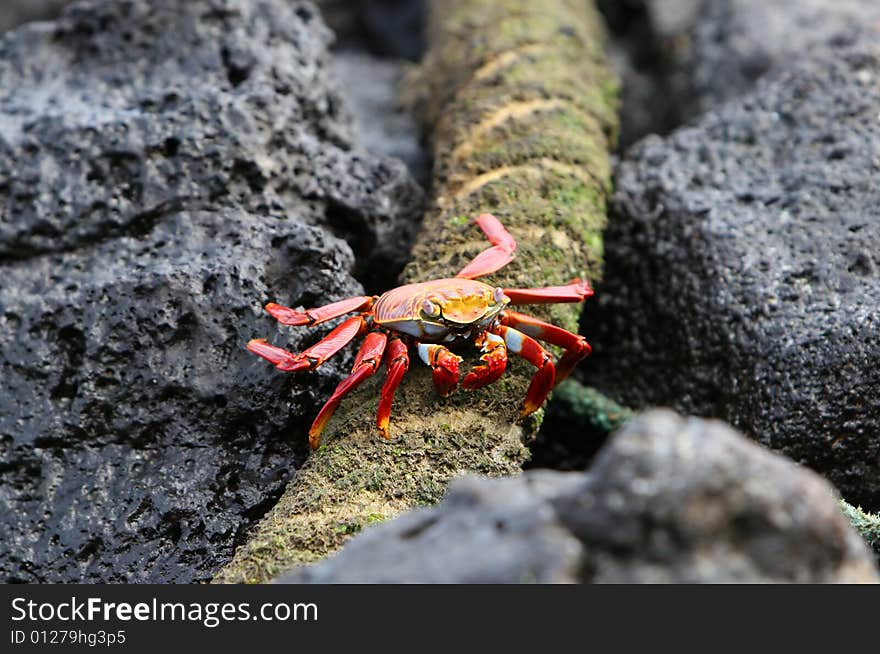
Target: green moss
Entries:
(460, 221)
(590, 407)
(548, 174)
(545, 76)
(560, 135)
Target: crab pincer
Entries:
(433, 316)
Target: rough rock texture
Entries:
(734, 42)
(678, 58)
(668, 500)
(499, 531)
(744, 269)
(165, 169)
(715, 50)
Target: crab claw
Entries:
(542, 381)
(281, 358)
(495, 357)
(445, 377)
(445, 366)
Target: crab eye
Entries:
(430, 309)
(498, 295)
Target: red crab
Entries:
(432, 316)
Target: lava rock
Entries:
(165, 169)
(668, 499)
(743, 269)
(722, 47)
(577, 422)
(675, 499)
(679, 58)
(500, 531)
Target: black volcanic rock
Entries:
(667, 500)
(679, 58)
(743, 269)
(732, 43)
(165, 169)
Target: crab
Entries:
(433, 316)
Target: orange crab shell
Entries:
(464, 304)
(429, 315)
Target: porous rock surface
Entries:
(743, 269)
(720, 48)
(669, 499)
(678, 58)
(165, 169)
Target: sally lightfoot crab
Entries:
(431, 316)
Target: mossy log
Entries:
(522, 113)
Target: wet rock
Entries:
(165, 169)
(743, 276)
(667, 500)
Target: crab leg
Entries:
(397, 363)
(494, 354)
(444, 364)
(311, 317)
(367, 362)
(497, 256)
(529, 349)
(314, 356)
(575, 291)
(576, 346)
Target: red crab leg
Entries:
(575, 291)
(311, 317)
(529, 349)
(367, 362)
(445, 366)
(497, 256)
(495, 356)
(397, 363)
(314, 356)
(576, 346)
